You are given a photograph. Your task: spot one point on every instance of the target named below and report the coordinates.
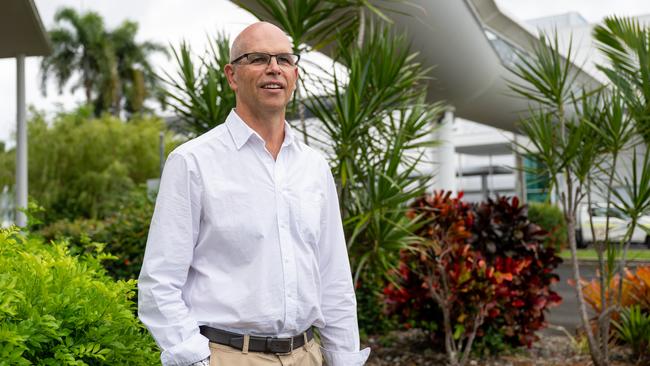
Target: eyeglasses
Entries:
(264, 59)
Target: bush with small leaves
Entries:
(58, 309)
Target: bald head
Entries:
(256, 35)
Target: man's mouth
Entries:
(272, 85)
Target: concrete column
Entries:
(485, 187)
(444, 158)
(21, 143)
(459, 178)
(520, 185)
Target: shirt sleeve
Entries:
(340, 336)
(170, 247)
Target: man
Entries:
(246, 249)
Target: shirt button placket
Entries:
(286, 247)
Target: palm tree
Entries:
(80, 44)
(111, 67)
(137, 78)
(626, 44)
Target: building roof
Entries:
(21, 30)
(567, 20)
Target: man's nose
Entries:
(273, 67)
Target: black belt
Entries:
(256, 343)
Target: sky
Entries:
(170, 21)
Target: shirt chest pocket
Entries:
(309, 211)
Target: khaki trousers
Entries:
(307, 355)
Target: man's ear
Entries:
(295, 86)
(229, 70)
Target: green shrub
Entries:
(634, 329)
(76, 232)
(57, 309)
(83, 167)
(124, 233)
(550, 218)
(371, 308)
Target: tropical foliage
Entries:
(636, 290)
(516, 246)
(374, 124)
(632, 321)
(483, 272)
(57, 309)
(310, 22)
(199, 92)
(111, 67)
(447, 274)
(634, 329)
(626, 44)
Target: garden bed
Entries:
(409, 348)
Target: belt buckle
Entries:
(277, 345)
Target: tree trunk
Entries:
(601, 329)
(594, 348)
(88, 91)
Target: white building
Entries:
(572, 30)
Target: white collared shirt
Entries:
(245, 243)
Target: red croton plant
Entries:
(479, 268)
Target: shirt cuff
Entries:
(338, 358)
(204, 362)
(191, 350)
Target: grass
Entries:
(590, 254)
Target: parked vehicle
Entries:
(618, 225)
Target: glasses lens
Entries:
(287, 59)
(258, 58)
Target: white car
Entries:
(618, 225)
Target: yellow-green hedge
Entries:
(58, 309)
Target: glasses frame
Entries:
(245, 55)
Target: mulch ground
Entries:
(409, 348)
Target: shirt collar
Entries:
(241, 132)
